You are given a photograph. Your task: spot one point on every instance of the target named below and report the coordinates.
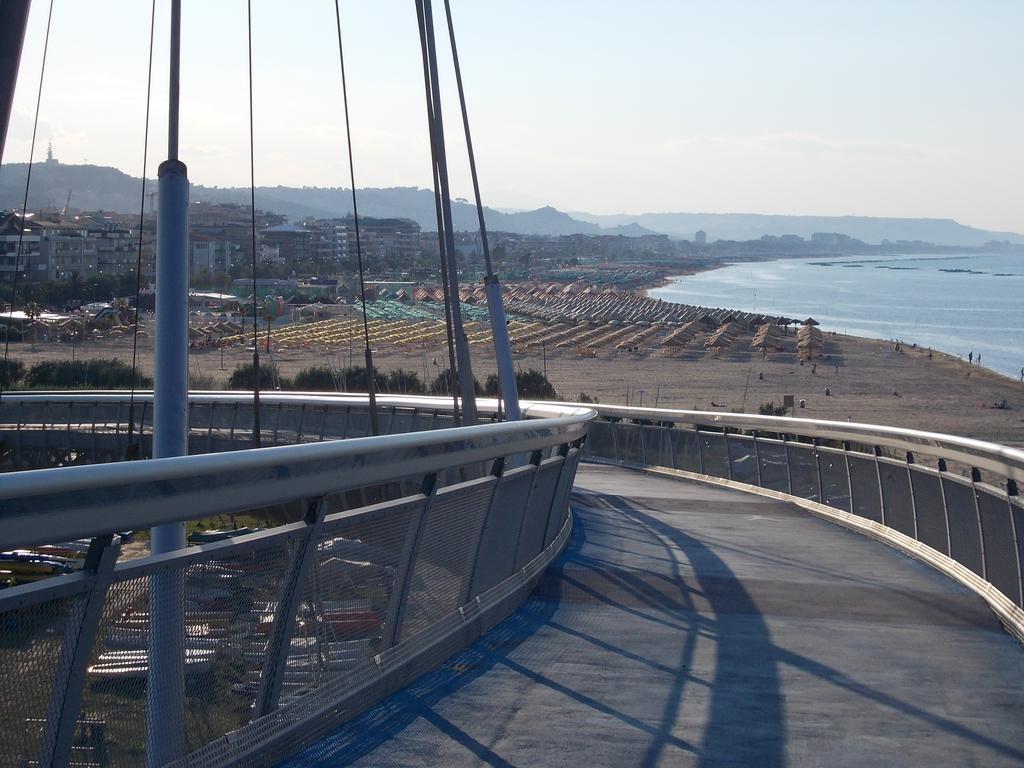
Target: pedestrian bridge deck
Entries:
(692, 625)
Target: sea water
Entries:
(956, 303)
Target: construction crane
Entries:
(64, 210)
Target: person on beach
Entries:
(978, 360)
(970, 357)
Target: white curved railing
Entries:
(948, 500)
(401, 549)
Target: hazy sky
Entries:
(890, 108)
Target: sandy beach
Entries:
(868, 380)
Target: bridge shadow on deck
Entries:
(642, 645)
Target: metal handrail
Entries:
(105, 498)
(981, 454)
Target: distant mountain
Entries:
(99, 188)
(750, 226)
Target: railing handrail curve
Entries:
(982, 454)
(191, 487)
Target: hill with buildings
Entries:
(99, 188)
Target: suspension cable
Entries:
(252, 211)
(442, 251)
(508, 389)
(24, 206)
(133, 452)
(370, 376)
(469, 141)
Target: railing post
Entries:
(95, 445)
(497, 471)
(209, 428)
(537, 458)
(283, 627)
(757, 457)
(849, 475)
(817, 467)
(615, 439)
(789, 465)
(700, 449)
(945, 506)
(1011, 493)
(913, 496)
(79, 638)
(302, 419)
(975, 479)
(642, 428)
(881, 493)
(277, 423)
(403, 579)
(728, 453)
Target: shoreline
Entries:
(867, 380)
(670, 279)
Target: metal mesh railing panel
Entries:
(774, 472)
(964, 531)
(31, 642)
(686, 454)
(998, 541)
(897, 497)
(444, 558)
(601, 440)
(560, 498)
(658, 446)
(231, 601)
(115, 680)
(496, 558)
(835, 485)
(630, 443)
(288, 421)
(867, 499)
(714, 453)
(401, 421)
(931, 513)
(1017, 515)
(349, 597)
(804, 470)
(531, 537)
(742, 459)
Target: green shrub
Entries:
(83, 374)
(11, 372)
(403, 382)
(771, 409)
(445, 384)
(531, 383)
(318, 378)
(354, 379)
(270, 377)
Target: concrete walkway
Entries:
(690, 625)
